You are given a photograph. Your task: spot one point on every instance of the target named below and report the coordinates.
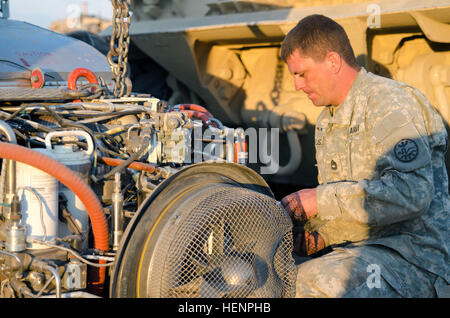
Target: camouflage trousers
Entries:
(363, 271)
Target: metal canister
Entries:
(78, 161)
(38, 192)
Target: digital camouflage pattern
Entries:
(383, 188)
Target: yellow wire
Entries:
(148, 240)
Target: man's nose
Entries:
(299, 83)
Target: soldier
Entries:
(382, 202)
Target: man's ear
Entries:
(334, 61)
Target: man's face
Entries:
(312, 77)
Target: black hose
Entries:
(124, 164)
(58, 118)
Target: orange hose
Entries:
(195, 111)
(194, 107)
(134, 165)
(71, 180)
(196, 114)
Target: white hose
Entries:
(57, 279)
(18, 260)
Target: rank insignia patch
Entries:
(406, 150)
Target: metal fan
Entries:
(214, 237)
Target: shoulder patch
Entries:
(388, 124)
(406, 150)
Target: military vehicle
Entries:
(225, 55)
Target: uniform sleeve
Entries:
(402, 187)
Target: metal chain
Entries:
(119, 43)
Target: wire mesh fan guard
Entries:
(225, 241)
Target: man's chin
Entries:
(317, 102)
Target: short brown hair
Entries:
(315, 36)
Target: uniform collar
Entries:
(342, 114)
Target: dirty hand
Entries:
(301, 205)
(307, 243)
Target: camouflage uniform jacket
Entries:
(382, 175)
